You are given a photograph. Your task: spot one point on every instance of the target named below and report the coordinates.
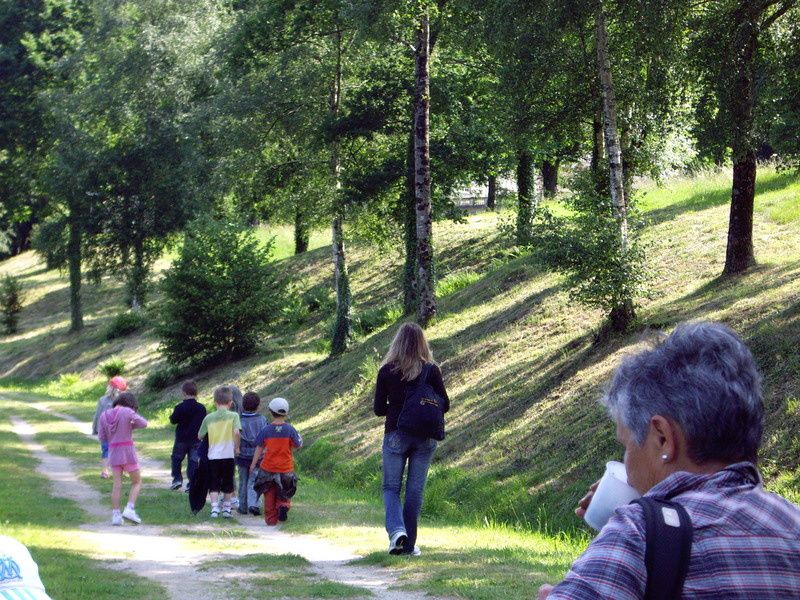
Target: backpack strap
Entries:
(668, 541)
(423, 375)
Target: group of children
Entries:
(234, 435)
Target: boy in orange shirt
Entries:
(275, 443)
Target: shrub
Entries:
(370, 320)
(124, 324)
(455, 282)
(164, 377)
(586, 247)
(112, 367)
(220, 295)
(11, 297)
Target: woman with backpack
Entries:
(411, 395)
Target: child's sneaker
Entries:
(234, 502)
(415, 552)
(397, 541)
(176, 485)
(226, 510)
(283, 513)
(130, 514)
(116, 518)
(214, 511)
(255, 511)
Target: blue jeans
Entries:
(400, 449)
(179, 451)
(247, 495)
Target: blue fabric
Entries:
(252, 424)
(247, 495)
(179, 451)
(401, 450)
(104, 449)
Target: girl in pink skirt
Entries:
(116, 429)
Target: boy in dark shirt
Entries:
(188, 415)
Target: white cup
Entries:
(612, 493)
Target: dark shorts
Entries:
(220, 472)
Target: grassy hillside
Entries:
(520, 360)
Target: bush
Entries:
(112, 367)
(586, 247)
(11, 297)
(220, 295)
(370, 320)
(125, 324)
(161, 378)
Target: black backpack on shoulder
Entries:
(668, 530)
(422, 414)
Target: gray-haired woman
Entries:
(690, 416)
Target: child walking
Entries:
(275, 443)
(252, 424)
(188, 416)
(116, 385)
(222, 427)
(116, 429)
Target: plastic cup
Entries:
(612, 492)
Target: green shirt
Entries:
(220, 426)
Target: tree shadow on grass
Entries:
(716, 196)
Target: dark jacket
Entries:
(188, 416)
(390, 393)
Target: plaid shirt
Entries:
(746, 543)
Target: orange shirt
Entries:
(278, 440)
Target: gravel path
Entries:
(160, 556)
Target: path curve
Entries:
(179, 565)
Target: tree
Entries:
(726, 51)
(220, 295)
(11, 298)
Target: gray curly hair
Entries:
(704, 378)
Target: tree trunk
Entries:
(74, 261)
(597, 143)
(342, 325)
(301, 232)
(550, 177)
(739, 255)
(617, 187)
(137, 278)
(491, 196)
(426, 302)
(409, 212)
(622, 315)
(524, 197)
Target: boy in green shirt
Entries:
(222, 428)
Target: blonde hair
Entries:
(409, 352)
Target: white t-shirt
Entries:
(19, 575)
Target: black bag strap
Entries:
(423, 375)
(668, 541)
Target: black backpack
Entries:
(422, 414)
(668, 530)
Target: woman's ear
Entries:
(665, 438)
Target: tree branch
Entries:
(787, 4)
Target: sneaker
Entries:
(214, 511)
(415, 552)
(397, 541)
(235, 502)
(131, 515)
(176, 485)
(255, 511)
(116, 518)
(241, 511)
(283, 513)
(226, 512)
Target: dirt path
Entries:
(162, 557)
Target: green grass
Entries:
(284, 576)
(48, 527)
(521, 362)
(284, 239)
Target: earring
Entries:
(664, 457)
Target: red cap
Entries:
(118, 383)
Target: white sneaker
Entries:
(116, 518)
(214, 511)
(397, 541)
(416, 551)
(234, 501)
(131, 515)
